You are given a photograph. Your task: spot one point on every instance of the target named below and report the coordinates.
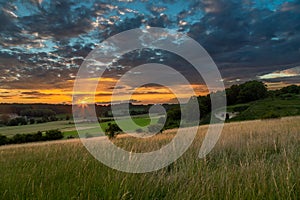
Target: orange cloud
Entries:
(103, 93)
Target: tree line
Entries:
(35, 137)
(236, 94)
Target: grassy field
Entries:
(252, 160)
(69, 128)
(33, 128)
(261, 108)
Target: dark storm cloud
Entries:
(59, 20)
(43, 44)
(40, 78)
(245, 42)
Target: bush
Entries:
(4, 119)
(139, 130)
(112, 130)
(39, 121)
(3, 140)
(288, 96)
(53, 135)
(37, 113)
(45, 119)
(31, 121)
(18, 139)
(13, 122)
(36, 137)
(24, 138)
(53, 118)
(17, 121)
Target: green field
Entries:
(266, 107)
(252, 160)
(33, 128)
(68, 128)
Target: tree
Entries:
(53, 135)
(37, 112)
(112, 130)
(232, 94)
(251, 91)
(22, 120)
(173, 118)
(4, 119)
(204, 105)
(192, 110)
(18, 139)
(13, 122)
(3, 140)
(53, 118)
(31, 121)
(291, 89)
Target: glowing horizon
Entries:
(149, 95)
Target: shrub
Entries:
(31, 121)
(45, 119)
(18, 139)
(17, 121)
(4, 119)
(24, 138)
(13, 122)
(139, 130)
(112, 130)
(53, 118)
(3, 140)
(37, 112)
(53, 135)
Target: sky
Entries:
(44, 42)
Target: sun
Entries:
(82, 104)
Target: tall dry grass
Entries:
(252, 160)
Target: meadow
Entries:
(33, 128)
(252, 160)
(68, 127)
(262, 108)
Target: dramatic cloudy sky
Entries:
(43, 42)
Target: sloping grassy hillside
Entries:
(266, 108)
(252, 160)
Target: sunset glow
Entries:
(44, 43)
